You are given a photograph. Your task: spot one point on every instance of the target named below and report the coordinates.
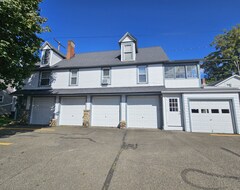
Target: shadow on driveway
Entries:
(10, 130)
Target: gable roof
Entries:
(129, 35)
(112, 58)
(219, 82)
(53, 48)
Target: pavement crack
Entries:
(186, 172)
(113, 167)
(18, 173)
(80, 138)
(227, 150)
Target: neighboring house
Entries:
(138, 85)
(7, 101)
(232, 81)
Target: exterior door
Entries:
(173, 111)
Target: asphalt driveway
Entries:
(102, 158)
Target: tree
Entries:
(225, 61)
(20, 26)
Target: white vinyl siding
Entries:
(73, 77)
(45, 78)
(142, 74)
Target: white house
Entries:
(138, 85)
(232, 81)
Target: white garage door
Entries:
(143, 111)
(211, 116)
(71, 111)
(105, 111)
(42, 110)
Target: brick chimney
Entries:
(70, 49)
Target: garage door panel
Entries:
(211, 116)
(71, 111)
(106, 111)
(143, 111)
(42, 110)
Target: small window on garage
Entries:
(195, 111)
(173, 104)
(215, 111)
(204, 111)
(225, 111)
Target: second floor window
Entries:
(46, 57)
(74, 77)
(106, 77)
(181, 72)
(45, 78)
(142, 74)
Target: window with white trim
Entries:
(191, 71)
(1, 98)
(173, 104)
(46, 57)
(45, 78)
(142, 74)
(181, 72)
(74, 77)
(128, 52)
(106, 76)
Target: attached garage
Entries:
(211, 116)
(71, 111)
(42, 110)
(105, 111)
(143, 111)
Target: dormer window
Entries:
(128, 52)
(129, 48)
(46, 57)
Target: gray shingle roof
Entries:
(112, 58)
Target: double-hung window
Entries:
(128, 52)
(73, 77)
(46, 57)
(45, 78)
(106, 76)
(142, 74)
(1, 98)
(180, 72)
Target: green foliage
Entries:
(21, 24)
(225, 60)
